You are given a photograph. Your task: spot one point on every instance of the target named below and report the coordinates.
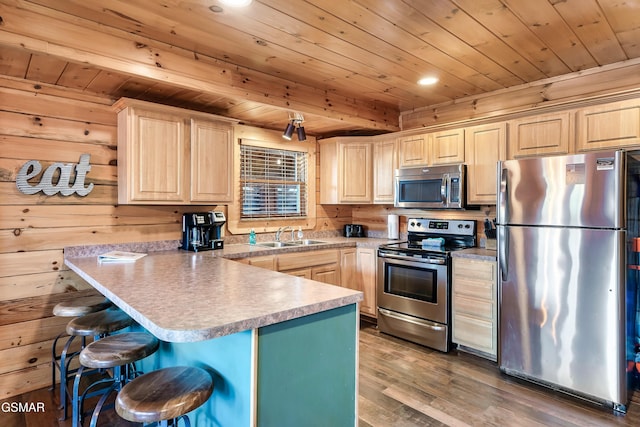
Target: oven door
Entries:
(412, 287)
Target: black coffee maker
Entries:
(202, 231)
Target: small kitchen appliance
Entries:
(353, 230)
(566, 306)
(202, 231)
(414, 280)
(433, 187)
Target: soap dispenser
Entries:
(252, 237)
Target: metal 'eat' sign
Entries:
(33, 167)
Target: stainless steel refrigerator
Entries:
(562, 273)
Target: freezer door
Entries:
(582, 190)
(561, 308)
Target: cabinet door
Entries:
(301, 272)
(211, 162)
(608, 126)
(384, 165)
(540, 135)
(329, 273)
(413, 151)
(367, 263)
(485, 145)
(447, 147)
(298, 260)
(265, 261)
(153, 157)
(348, 269)
(355, 174)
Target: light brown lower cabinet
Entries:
(474, 305)
(367, 269)
(353, 268)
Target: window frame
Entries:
(247, 135)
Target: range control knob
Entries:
(460, 225)
(412, 223)
(419, 225)
(467, 226)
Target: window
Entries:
(273, 183)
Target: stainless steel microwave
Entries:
(435, 187)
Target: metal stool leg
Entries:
(63, 377)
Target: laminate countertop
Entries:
(186, 297)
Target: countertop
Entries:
(186, 297)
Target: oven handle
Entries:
(439, 261)
(420, 322)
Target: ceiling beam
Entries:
(75, 40)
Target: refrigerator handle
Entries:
(503, 250)
(503, 207)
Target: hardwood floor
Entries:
(406, 385)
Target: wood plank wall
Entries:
(50, 124)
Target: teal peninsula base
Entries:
(301, 372)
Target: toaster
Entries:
(353, 230)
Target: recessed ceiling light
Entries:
(236, 3)
(426, 81)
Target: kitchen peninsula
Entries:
(282, 349)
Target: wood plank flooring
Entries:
(406, 385)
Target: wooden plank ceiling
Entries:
(350, 66)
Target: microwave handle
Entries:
(444, 189)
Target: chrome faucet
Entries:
(281, 230)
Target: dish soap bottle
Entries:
(300, 235)
(252, 237)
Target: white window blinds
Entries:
(273, 182)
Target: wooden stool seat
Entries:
(164, 394)
(99, 323)
(118, 350)
(81, 306)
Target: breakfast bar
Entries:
(258, 332)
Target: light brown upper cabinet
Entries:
(447, 147)
(384, 165)
(172, 156)
(547, 134)
(413, 151)
(485, 146)
(612, 125)
(211, 161)
(346, 174)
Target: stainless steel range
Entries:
(414, 281)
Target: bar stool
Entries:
(118, 352)
(98, 325)
(72, 308)
(165, 395)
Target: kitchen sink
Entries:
(307, 242)
(290, 243)
(276, 244)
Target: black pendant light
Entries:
(302, 136)
(288, 131)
